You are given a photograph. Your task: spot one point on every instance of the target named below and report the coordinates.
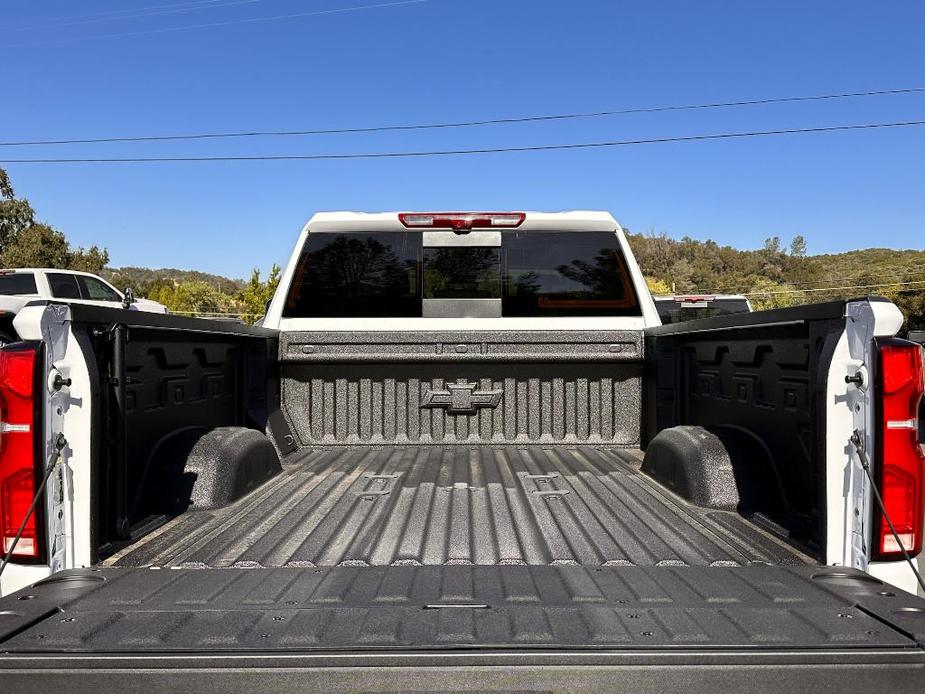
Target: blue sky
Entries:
(442, 60)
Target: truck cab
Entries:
(491, 271)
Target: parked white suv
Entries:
(19, 286)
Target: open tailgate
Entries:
(395, 628)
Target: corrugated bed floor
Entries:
(458, 505)
(348, 608)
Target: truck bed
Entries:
(445, 505)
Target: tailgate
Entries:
(389, 628)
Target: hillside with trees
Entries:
(772, 276)
(777, 276)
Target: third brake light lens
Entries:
(461, 220)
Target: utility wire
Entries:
(461, 152)
(749, 291)
(247, 20)
(898, 275)
(36, 22)
(807, 286)
(471, 123)
(831, 289)
(140, 13)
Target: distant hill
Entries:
(871, 263)
(141, 279)
(775, 276)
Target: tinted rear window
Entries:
(359, 274)
(462, 273)
(364, 274)
(566, 274)
(18, 283)
(676, 312)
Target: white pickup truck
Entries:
(462, 453)
(19, 286)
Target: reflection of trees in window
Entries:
(468, 272)
(355, 276)
(526, 283)
(357, 267)
(602, 277)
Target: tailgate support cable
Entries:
(858, 444)
(60, 444)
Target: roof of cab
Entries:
(578, 220)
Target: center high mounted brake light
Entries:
(694, 299)
(462, 221)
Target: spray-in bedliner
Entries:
(445, 505)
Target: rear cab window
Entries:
(681, 309)
(17, 284)
(363, 274)
(357, 275)
(566, 274)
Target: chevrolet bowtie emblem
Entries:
(461, 398)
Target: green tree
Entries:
(657, 286)
(92, 259)
(772, 245)
(15, 214)
(195, 298)
(766, 294)
(256, 293)
(798, 247)
(37, 245)
(27, 243)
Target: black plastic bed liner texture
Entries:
(116, 610)
(458, 505)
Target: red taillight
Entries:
(17, 449)
(462, 220)
(900, 461)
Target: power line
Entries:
(832, 289)
(898, 275)
(461, 152)
(127, 14)
(248, 20)
(799, 287)
(470, 123)
(31, 23)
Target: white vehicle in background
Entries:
(20, 286)
(676, 309)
